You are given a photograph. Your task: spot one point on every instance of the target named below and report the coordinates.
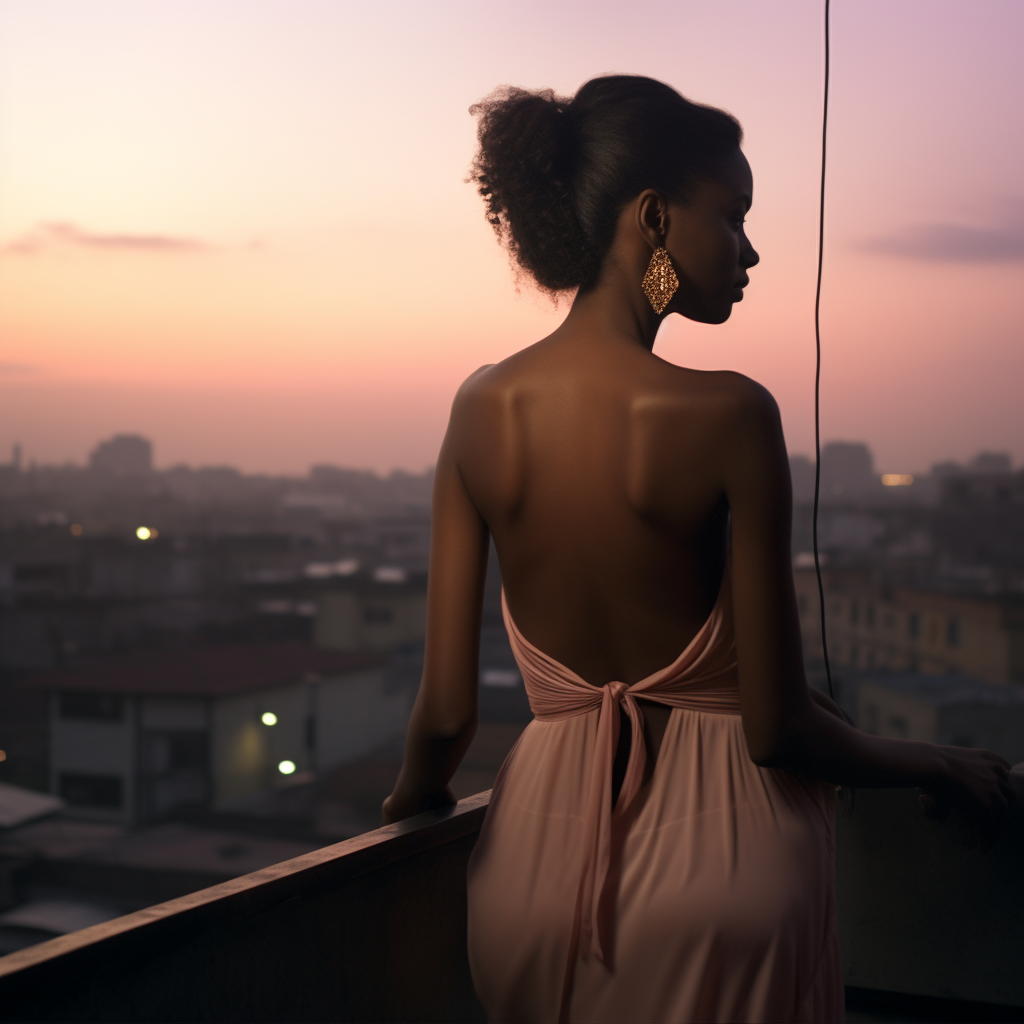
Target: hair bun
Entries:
(524, 172)
(554, 173)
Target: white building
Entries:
(133, 738)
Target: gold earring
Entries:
(660, 281)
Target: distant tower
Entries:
(123, 455)
(847, 470)
(991, 462)
(801, 471)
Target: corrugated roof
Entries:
(203, 672)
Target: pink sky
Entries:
(205, 206)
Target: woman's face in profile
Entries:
(708, 244)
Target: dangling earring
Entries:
(660, 281)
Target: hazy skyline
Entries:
(241, 228)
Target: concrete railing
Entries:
(374, 929)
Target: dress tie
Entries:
(597, 896)
(702, 678)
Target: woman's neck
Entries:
(614, 311)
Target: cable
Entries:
(817, 365)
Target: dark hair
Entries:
(555, 172)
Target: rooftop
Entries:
(204, 672)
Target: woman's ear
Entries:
(652, 217)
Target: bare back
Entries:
(598, 472)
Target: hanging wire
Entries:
(817, 367)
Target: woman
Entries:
(659, 842)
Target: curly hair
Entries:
(555, 172)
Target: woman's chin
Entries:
(709, 316)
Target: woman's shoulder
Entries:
(726, 386)
(481, 406)
(720, 397)
(478, 390)
(724, 401)
(496, 381)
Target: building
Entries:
(951, 710)
(847, 470)
(134, 738)
(980, 521)
(123, 455)
(905, 629)
(847, 473)
(379, 612)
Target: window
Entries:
(953, 632)
(187, 750)
(371, 614)
(175, 751)
(914, 625)
(101, 707)
(92, 790)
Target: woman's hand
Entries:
(397, 807)
(976, 782)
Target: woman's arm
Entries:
(823, 700)
(785, 726)
(444, 717)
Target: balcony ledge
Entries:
(374, 928)
(306, 939)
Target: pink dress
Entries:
(705, 895)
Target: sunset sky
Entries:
(241, 227)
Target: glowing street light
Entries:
(268, 718)
(286, 767)
(147, 533)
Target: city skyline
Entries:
(271, 259)
(141, 449)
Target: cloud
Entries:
(62, 235)
(954, 243)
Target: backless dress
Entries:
(706, 894)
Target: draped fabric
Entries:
(705, 894)
(702, 678)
